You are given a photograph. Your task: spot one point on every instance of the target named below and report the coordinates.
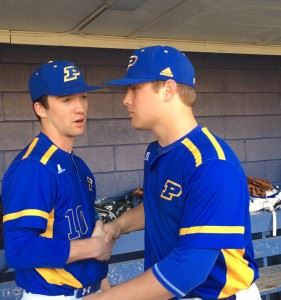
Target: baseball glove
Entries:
(258, 187)
(109, 209)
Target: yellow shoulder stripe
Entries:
(59, 277)
(31, 147)
(213, 229)
(47, 155)
(194, 150)
(215, 143)
(26, 213)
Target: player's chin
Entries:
(136, 123)
(77, 131)
(139, 125)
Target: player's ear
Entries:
(39, 109)
(170, 89)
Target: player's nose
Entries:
(127, 99)
(81, 103)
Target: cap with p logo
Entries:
(57, 78)
(157, 63)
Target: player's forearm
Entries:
(143, 287)
(97, 246)
(94, 247)
(132, 220)
(184, 269)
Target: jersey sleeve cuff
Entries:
(166, 283)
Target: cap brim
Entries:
(126, 81)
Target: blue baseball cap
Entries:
(157, 63)
(57, 78)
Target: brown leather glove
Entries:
(258, 186)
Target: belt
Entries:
(92, 288)
(79, 293)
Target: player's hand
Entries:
(112, 230)
(102, 246)
(105, 284)
(96, 246)
(98, 230)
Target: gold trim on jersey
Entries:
(26, 213)
(213, 229)
(47, 155)
(170, 187)
(239, 275)
(194, 150)
(50, 225)
(30, 148)
(215, 143)
(59, 277)
(56, 276)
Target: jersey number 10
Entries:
(76, 222)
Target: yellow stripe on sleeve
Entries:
(213, 229)
(47, 155)
(26, 213)
(31, 147)
(194, 150)
(239, 275)
(215, 143)
(50, 226)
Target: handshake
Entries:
(98, 246)
(103, 238)
(108, 229)
(109, 210)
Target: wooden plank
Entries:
(8, 276)
(267, 247)
(261, 221)
(124, 271)
(119, 42)
(124, 257)
(130, 242)
(270, 280)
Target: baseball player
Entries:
(196, 203)
(52, 237)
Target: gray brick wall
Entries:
(239, 98)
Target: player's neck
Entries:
(175, 128)
(65, 143)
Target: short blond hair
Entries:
(186, 93)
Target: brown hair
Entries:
(186, 93)
(44, 102)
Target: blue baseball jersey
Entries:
(48, 198)
(196, 197)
